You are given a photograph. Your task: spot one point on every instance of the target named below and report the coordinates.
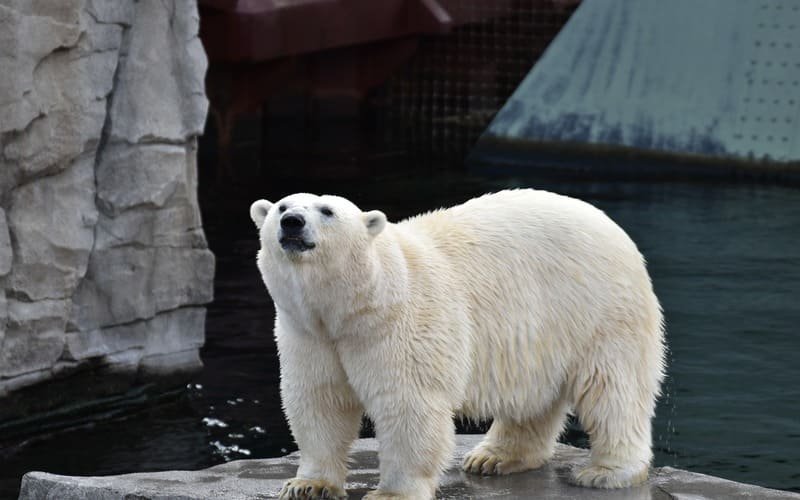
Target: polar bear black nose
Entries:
(292, 222)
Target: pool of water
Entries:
(725, 261)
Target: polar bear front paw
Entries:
(487, 462)
(311, 489)
(599, 476)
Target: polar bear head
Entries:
(303, 227)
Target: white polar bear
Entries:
(518, 306)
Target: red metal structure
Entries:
(321, 48)
(263, 30)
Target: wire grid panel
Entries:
(443, 99)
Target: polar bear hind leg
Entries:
(615, 401)
(511, 446)
(620, 445)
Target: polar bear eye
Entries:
(282, 208)
(326, 211)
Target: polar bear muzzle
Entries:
(292, 235)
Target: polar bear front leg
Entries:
(324, 416)
(416, 437)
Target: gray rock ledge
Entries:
(263, 479)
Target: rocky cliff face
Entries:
(102, 253)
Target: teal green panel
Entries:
(711, 77)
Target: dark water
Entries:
(725, 261)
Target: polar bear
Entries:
(519, 306)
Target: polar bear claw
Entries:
(487, 462)
(311, 489)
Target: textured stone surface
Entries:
(67, 88)
(25, 40)
(169, 332)
(162, 95)
(3, 318)
(145, 175)
(53, 140)
(35, 335)
(5, 245)
(263, 479)
(177, 224)
(164, 215)
(154, 279)
(102, 253)
(112, 12)
(52, 220)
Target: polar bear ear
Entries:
(375, 222)
(258, 212)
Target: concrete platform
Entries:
(263, 479)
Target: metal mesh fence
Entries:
(304, 113)
(446, 95)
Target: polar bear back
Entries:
(544, 276)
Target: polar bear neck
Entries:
(348, 297)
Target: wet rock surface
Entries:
(263, 479)
(101, 104)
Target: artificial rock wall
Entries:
(102, 254)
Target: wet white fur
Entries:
(519, 305)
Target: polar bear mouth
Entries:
(296, 244)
